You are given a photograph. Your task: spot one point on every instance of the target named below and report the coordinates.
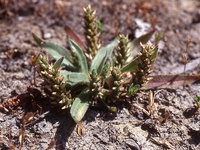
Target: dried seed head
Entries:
(94, 84)
(63, 86)
(56, 87)
(114, 88)
(62, 101)
(64, 107)
(54, 93)
(62, 95)
(43, 72)
(57, 79)
(91, 32)
(145, 60)
(49, 76)
(61, 78)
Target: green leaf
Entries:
(99, 26)
(74, 77)
(103, 54)
(54, 50)
(158, 37)
(82, 59)
(58, 63)
(106, 69)
(80, 106)
(38, 40)
(196, 99)
(111, 108)
(155, 53)
(99, 61)
(132, 66)
(133, 89)
(110, 47)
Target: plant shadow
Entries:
(64, 130)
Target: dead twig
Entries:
(164, 143)
(80, 129)
(151, 103)
(142, 109)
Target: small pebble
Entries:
(47, 35)
(1, 116)
(19, 75)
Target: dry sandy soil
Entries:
(176, 20)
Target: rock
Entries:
(132, 144)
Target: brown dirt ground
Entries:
(176, 20)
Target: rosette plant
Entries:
(83, 77)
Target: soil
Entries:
(174, 124)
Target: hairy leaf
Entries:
(82, 59)
(54, 50)
(103, 54)
(74, 77)
(80, 106)
(99, 61)
(110, 47)
(132, 66)
(58, 63)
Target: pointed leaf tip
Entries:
(74, 36)
(81, 56)
(54, 50)
(38, 40)
(58, 63)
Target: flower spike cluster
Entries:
(108, 75)
(53, 81)
(91, 32)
